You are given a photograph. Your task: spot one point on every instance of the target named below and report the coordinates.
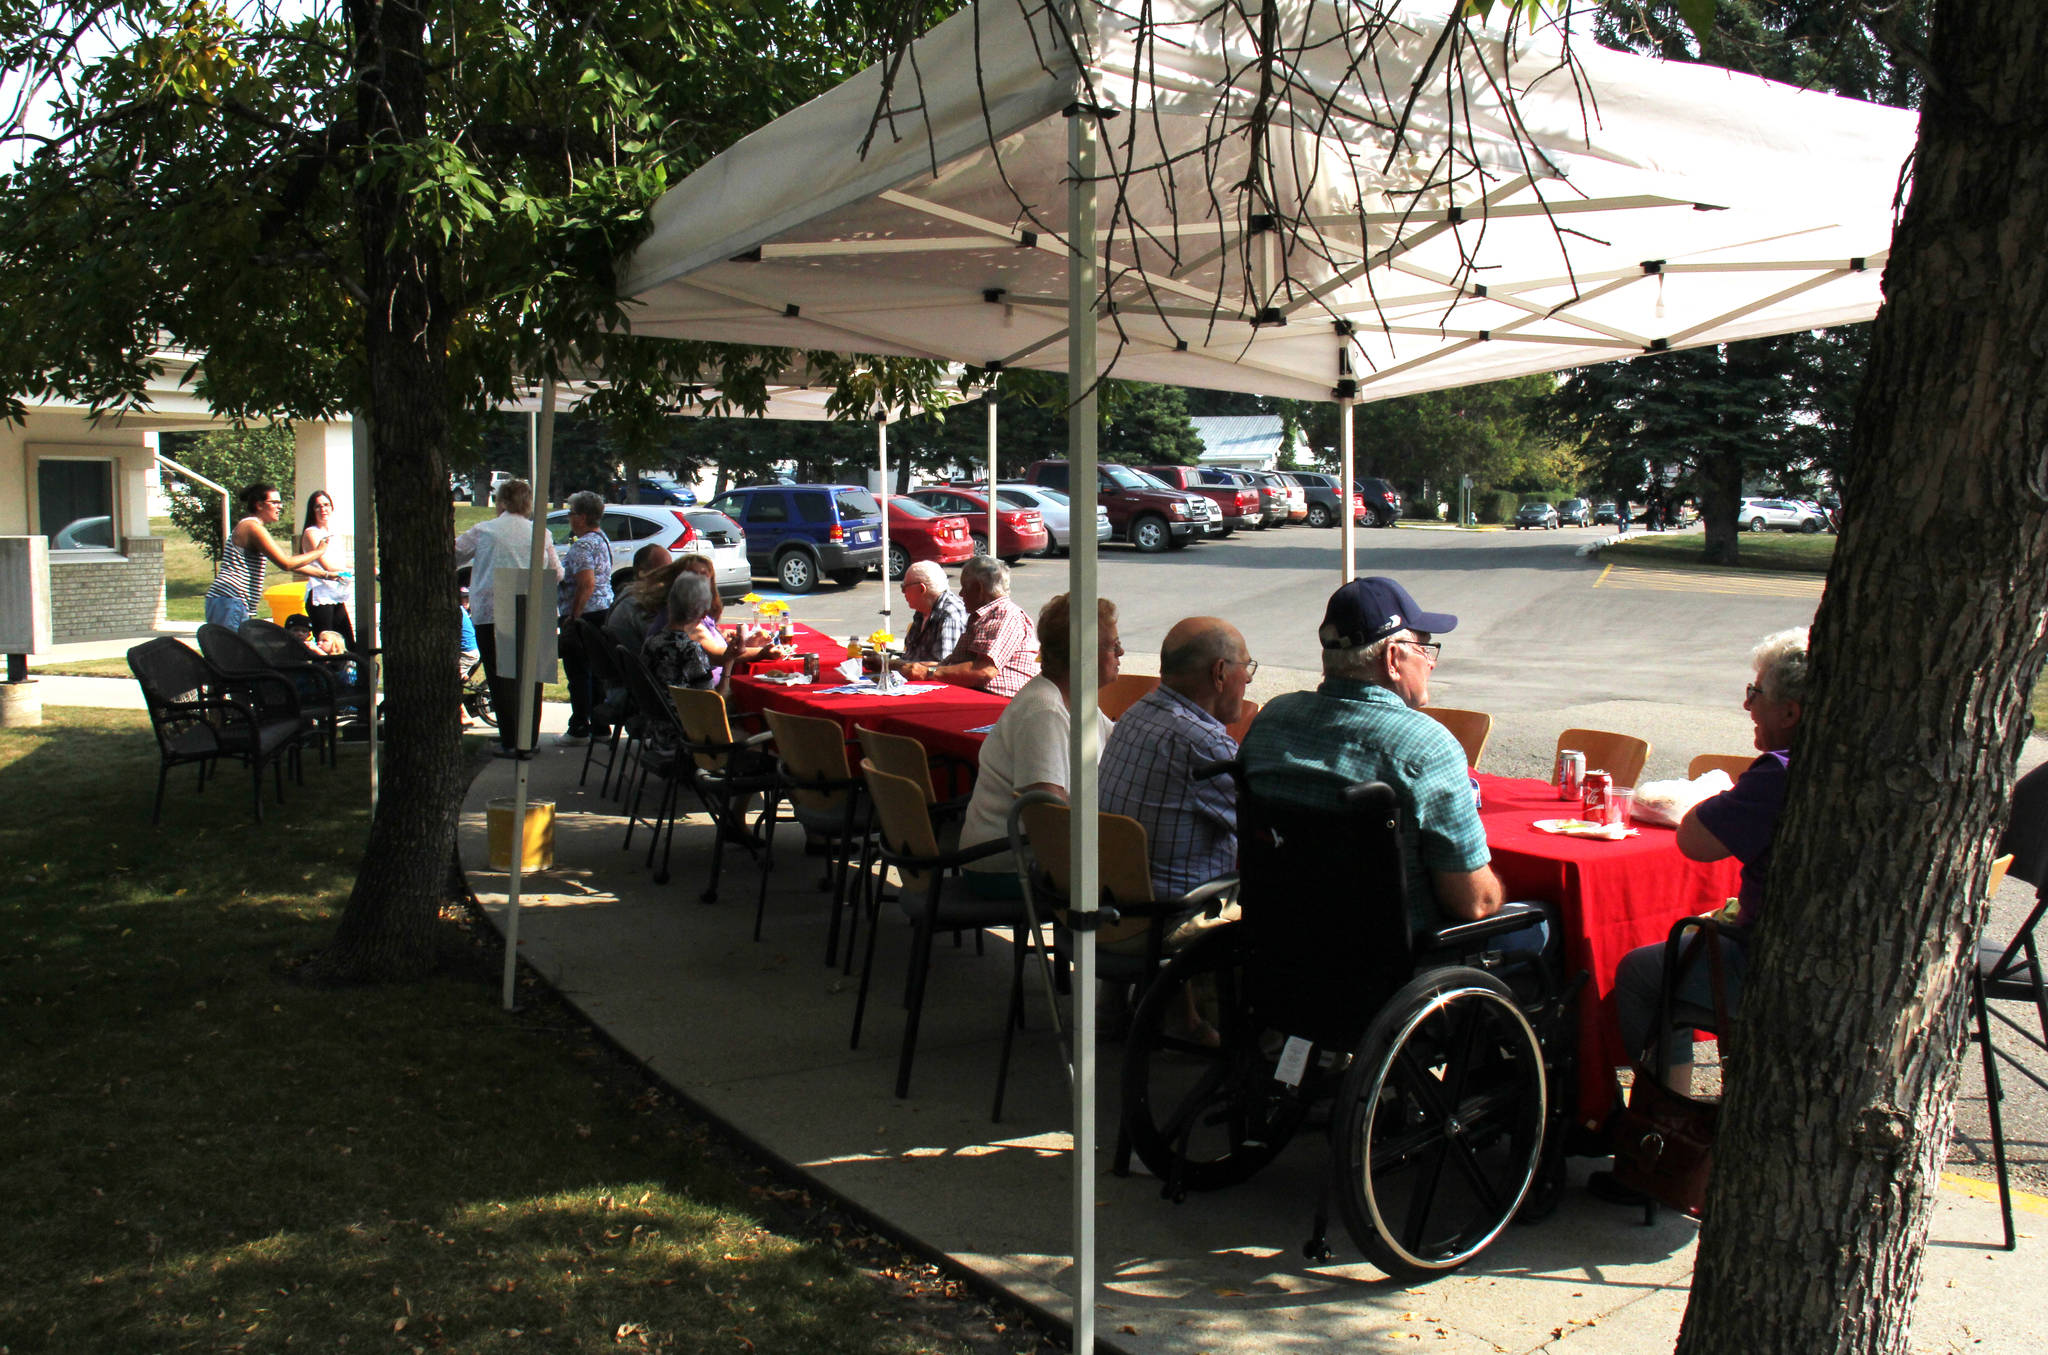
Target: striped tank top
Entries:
(241, 576)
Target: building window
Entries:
(75, 503)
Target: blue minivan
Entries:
(798, 533)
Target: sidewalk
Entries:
(756, 1034)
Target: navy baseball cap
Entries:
(1366, 610)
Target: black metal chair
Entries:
(661, 741)
(2011, 971)
(200, 715)
(314, 686)
(343, 680)
(602, 656)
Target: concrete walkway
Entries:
(756, 1032)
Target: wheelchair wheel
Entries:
(1202, 1117)
(476, 697)
(1439, 1128)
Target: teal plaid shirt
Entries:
(1305, 747)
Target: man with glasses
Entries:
(1364, 724)
(1148, 764)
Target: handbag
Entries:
(1664, 1140)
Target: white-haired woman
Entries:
(507, 540)
(1739, 822)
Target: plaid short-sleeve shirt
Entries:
(933, 634)
(1001, 632)
(1148, 773)
(1305, 747)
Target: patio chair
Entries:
(1237, 728)
(602, 656)
(1621, 756)
(231, 654)
(1130, 940)
(323, 683)
(726, 771)
(932, 896)
(2011, 971)
(1735, 764)
(812, 777)
(1123, 692)
(200, 715)
(898, 755)
(1471, 728)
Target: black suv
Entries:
(1382, 500)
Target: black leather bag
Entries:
(1664, 1140)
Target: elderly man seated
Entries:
(1148, 764)
(998, 652)
(1364, 724)
(941, 617)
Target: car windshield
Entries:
(858, 503)
(1150, 481)
(912, 508)
(1018, 499)
(1123, 477)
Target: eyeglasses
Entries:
(1250, 666)
(1433, 648)
(1751, 693)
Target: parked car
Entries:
(1142, 510)
(1382, 500)
(1236, 500)
(629, 526)
(723, 540)
(1054, 506)
(1321, 491)
(1292, 500)
(798, 533)
(663, 488)
(1575, 513)
(1607, 514)
(1535, 513)
(1019, 531)
(93, 533)
(918, 531)
(1761, 514)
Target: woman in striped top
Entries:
(238, 589)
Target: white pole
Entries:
(990, 400)
(1082, 747)
(366, 575)
(1346, 397)
(882, 459)
(529, 673)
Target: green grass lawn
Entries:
(1793, 551)
(199, 1153)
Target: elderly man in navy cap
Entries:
(1363, 724)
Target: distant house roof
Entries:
(1239, 439)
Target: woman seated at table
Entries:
(1027, 749)
(673, 656)
(727, 653)
(1739, 822)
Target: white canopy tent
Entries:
(1426, 203)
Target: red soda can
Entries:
(1570, 774)
(1596, 797)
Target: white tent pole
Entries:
(882, 459)
(990, 400)
(1347, 396)
(529, 674)
(1083, 743)
(366, 573)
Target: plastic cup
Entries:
(1621, 806)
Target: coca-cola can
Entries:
(811, 668)
(1598, 784)
(1570, 774)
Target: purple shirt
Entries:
(1744, 819)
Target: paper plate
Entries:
(1583, 828)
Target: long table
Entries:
(749, 693)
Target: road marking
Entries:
(2022, 1201)
(1734, 581)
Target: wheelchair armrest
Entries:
(1512, 917)
(1209, 896)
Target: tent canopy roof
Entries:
(1642, 205)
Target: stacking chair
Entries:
(661, 740)
(1237, 728)
(932, 896)
(725, 771)
(1735, 764)
(1130, 944)
(2011, 971)
(812, 777)
(311, 687)
(1619, 755)
(598, 653)
(1122, 693)
(200, 715)
(323, 683)
(898, 755)
(1470, 728)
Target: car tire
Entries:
(1319, 515)
(1756, 524)
(1810, 526)
(1052, 543)
(899, 561)
(980, 543)
(847, 578)
(1011, 560)
(796, 572)
(1150, 534)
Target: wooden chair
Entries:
(813, 778)
(932, 897)
(1123, 693)
(1236, 728)
(724, 770)
(1621, 756)
(1735, 764)
(1471, 728)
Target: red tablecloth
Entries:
(751, 694)
(1614, 896)
(955, 733)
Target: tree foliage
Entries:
(232, 458)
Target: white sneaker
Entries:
(574, 740)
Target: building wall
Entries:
(94, 594)
(108, 598)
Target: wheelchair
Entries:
(1433, 1057)
(476, 694)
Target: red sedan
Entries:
(1019, 531)
(918, 531)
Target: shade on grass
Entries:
(199, 1153)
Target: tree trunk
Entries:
(387, 929)
(1720, 483)
(1925, 653)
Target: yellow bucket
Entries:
(285, 600)
(539, 853)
